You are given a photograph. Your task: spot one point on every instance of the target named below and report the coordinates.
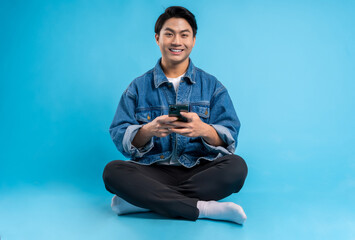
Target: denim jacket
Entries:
(150, 95)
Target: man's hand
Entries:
(194, 127)
(164, 125)
(160, 126)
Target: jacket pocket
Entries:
(147, 115)
(203, 111)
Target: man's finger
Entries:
(187, 115)
(170, 119)
(179, 124)
(180, 130)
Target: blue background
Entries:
(289, 68)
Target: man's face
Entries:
(175, 40)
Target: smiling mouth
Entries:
(176, 50)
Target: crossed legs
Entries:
(178, 192)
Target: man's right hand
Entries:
(160, 126)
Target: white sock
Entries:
(120, 206)
(228, 211)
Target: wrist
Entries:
(206, 129)
(146, 130)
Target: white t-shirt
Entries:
(176, 81)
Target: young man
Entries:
(177, 169)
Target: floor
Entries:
(64, 211)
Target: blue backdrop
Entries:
(288, 65)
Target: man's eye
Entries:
(168, 34)
(185, 35)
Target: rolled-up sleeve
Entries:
(225, 121)
(124, 128)
(128, 147)
(226, 137)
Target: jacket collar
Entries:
(160, 78)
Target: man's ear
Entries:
(157, 38)
(194, 41)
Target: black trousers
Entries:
(173, 191)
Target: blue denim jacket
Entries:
(149, 96)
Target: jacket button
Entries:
(161, 156)
(148, 117)
(206, 112)
(169, 85)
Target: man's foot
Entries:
(228, 211)
(121, 206)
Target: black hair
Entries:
(177, 12)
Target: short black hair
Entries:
(177, 12)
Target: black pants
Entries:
(173, 191)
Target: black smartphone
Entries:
(175, 109)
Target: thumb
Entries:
(185, 114)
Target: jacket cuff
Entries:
(129, 148)
(226, 137)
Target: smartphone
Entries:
(175, 109)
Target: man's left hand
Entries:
(194, 127)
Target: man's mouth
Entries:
(175, 50)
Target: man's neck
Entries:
(174, 70)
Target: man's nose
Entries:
(176, 40)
